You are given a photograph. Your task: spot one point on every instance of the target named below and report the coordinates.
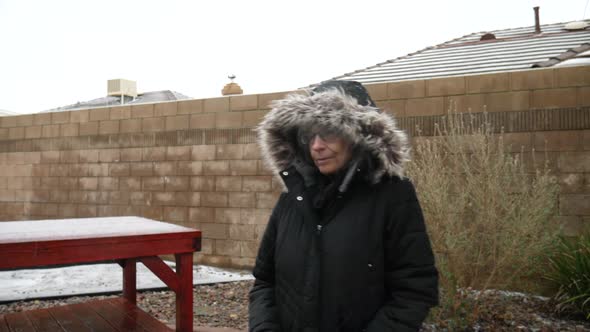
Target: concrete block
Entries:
(227, 215)
(88, 156)
(242, 232)
(69, 129)
(256, 183)
(50, 131)
(583, 96)
(216, 168)
(154, 154)
(406, 89)
(255, 216)
(153, 124)
(175, 213)
(425, 106)
(130, 183)
(33, 132)
(41, 119)
(166, 108)
(554, 98)
(531, 79)
(190, 106)
(79, 116)
(100, 114)
(142, 169)
(88, 128)
(203, 183)
(572, 76)
(130, 126)
(214, 199)
(178, 153)
(445, 86)
(190, 168)
(228, 183)
(574, 205)
(243, 103)
(558, 140)
(120, 113)
(60, 117)
(109, 155)
(242, 200)
(229, 151)
(227, 248)
(179, 122)
(165, 168)
(228, 120)
(507, 101)
(142, 111)
(16, 133)
(177, 183)
(202, 121)
(152, 183)
(220, 104)
(131, 154)
(109, 127)
(496, 82)
(574, 162)
(252, 118)
(202, 214)
(214, 230)
(267, 200)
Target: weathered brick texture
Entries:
(197, 163)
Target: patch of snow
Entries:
(94, 279)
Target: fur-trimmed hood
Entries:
(371, 131)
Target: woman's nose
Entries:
(317, 143)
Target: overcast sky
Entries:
(55, 53)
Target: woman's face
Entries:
(329, 153)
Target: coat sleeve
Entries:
(263, 313)
(411, 278)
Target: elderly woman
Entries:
(346, 247)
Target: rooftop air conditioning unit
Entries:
(121, 87)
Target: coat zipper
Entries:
(319, 229)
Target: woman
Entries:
(345, 248)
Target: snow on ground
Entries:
(94, 279)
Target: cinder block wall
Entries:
(196, 162)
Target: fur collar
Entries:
(366, 127)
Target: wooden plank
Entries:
(162, 271)
(18, 321)
(42, 320)
(130, 280)
(144, 319)
(74, 320)
(83, 228)
(20, 255)
(84, 313)
(117, 317)
(3, 326)
(184, 296)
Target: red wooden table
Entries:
(126, 240)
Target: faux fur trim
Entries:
(365, 126)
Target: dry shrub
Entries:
(489, 218)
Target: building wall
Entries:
(196, 162)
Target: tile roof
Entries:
(146, 97)
(512, 49)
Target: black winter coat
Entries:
(363, 264)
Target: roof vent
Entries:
(575, 26)
(121, 87)
(488, 36)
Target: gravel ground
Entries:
(226, 305)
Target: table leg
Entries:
(184, 296)
(129, 280)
